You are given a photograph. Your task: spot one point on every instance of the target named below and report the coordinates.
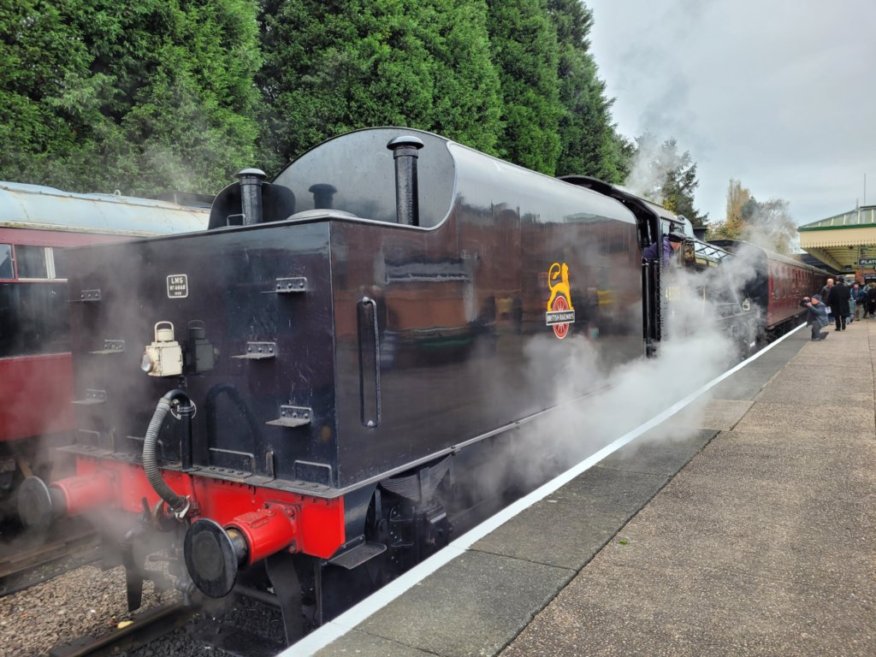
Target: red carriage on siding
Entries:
(38, 226)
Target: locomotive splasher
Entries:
(296, 390)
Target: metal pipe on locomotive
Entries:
(333, 352)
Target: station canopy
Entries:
(845, 242)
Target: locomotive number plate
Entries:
(178, 286)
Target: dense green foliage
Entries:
(524, 46)
(589, 143)
(155, 95)
(331, 67)
(143, 96)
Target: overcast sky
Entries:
(780, 95)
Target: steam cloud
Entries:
(699, 347)
(651, 166)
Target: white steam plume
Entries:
(698, 348)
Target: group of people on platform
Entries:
(845, 303)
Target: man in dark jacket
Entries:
(839, 303)
(817, 316)
(825, 290)
(671, 243)
(871, 300)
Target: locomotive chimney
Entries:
(251, 195)
(404, 151)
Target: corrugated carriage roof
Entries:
(47, 208)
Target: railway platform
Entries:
(752, 535)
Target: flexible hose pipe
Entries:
(177, 503)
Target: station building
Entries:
(845, 243)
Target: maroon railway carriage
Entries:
(38, 225)
(779, 283)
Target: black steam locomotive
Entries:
(292, 392)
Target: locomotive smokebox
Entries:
(404, 151)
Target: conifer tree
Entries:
(524, 45)
(331, 67)
(665, 175)
(144, 97)
(590, 144)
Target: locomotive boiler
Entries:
(295, 391)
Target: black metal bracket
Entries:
(258, 351)
(87, 296)
(356, 556)
(292, 416)
(92, 398)
(110, 347)
(293, 285)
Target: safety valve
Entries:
(164, 356)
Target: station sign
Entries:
(867, 262)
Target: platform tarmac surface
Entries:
(753, 536)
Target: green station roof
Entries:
(858, 218)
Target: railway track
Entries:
(141, 631)
(28, 561)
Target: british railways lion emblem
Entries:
(560, 313)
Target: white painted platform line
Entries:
(336, 628)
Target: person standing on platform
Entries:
(825, 291)
(861, 302)
(839, 303)
(817, 316)
(853, 302)
(871, 300)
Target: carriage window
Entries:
(33, 319)
(6, 261)
(31, 261)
